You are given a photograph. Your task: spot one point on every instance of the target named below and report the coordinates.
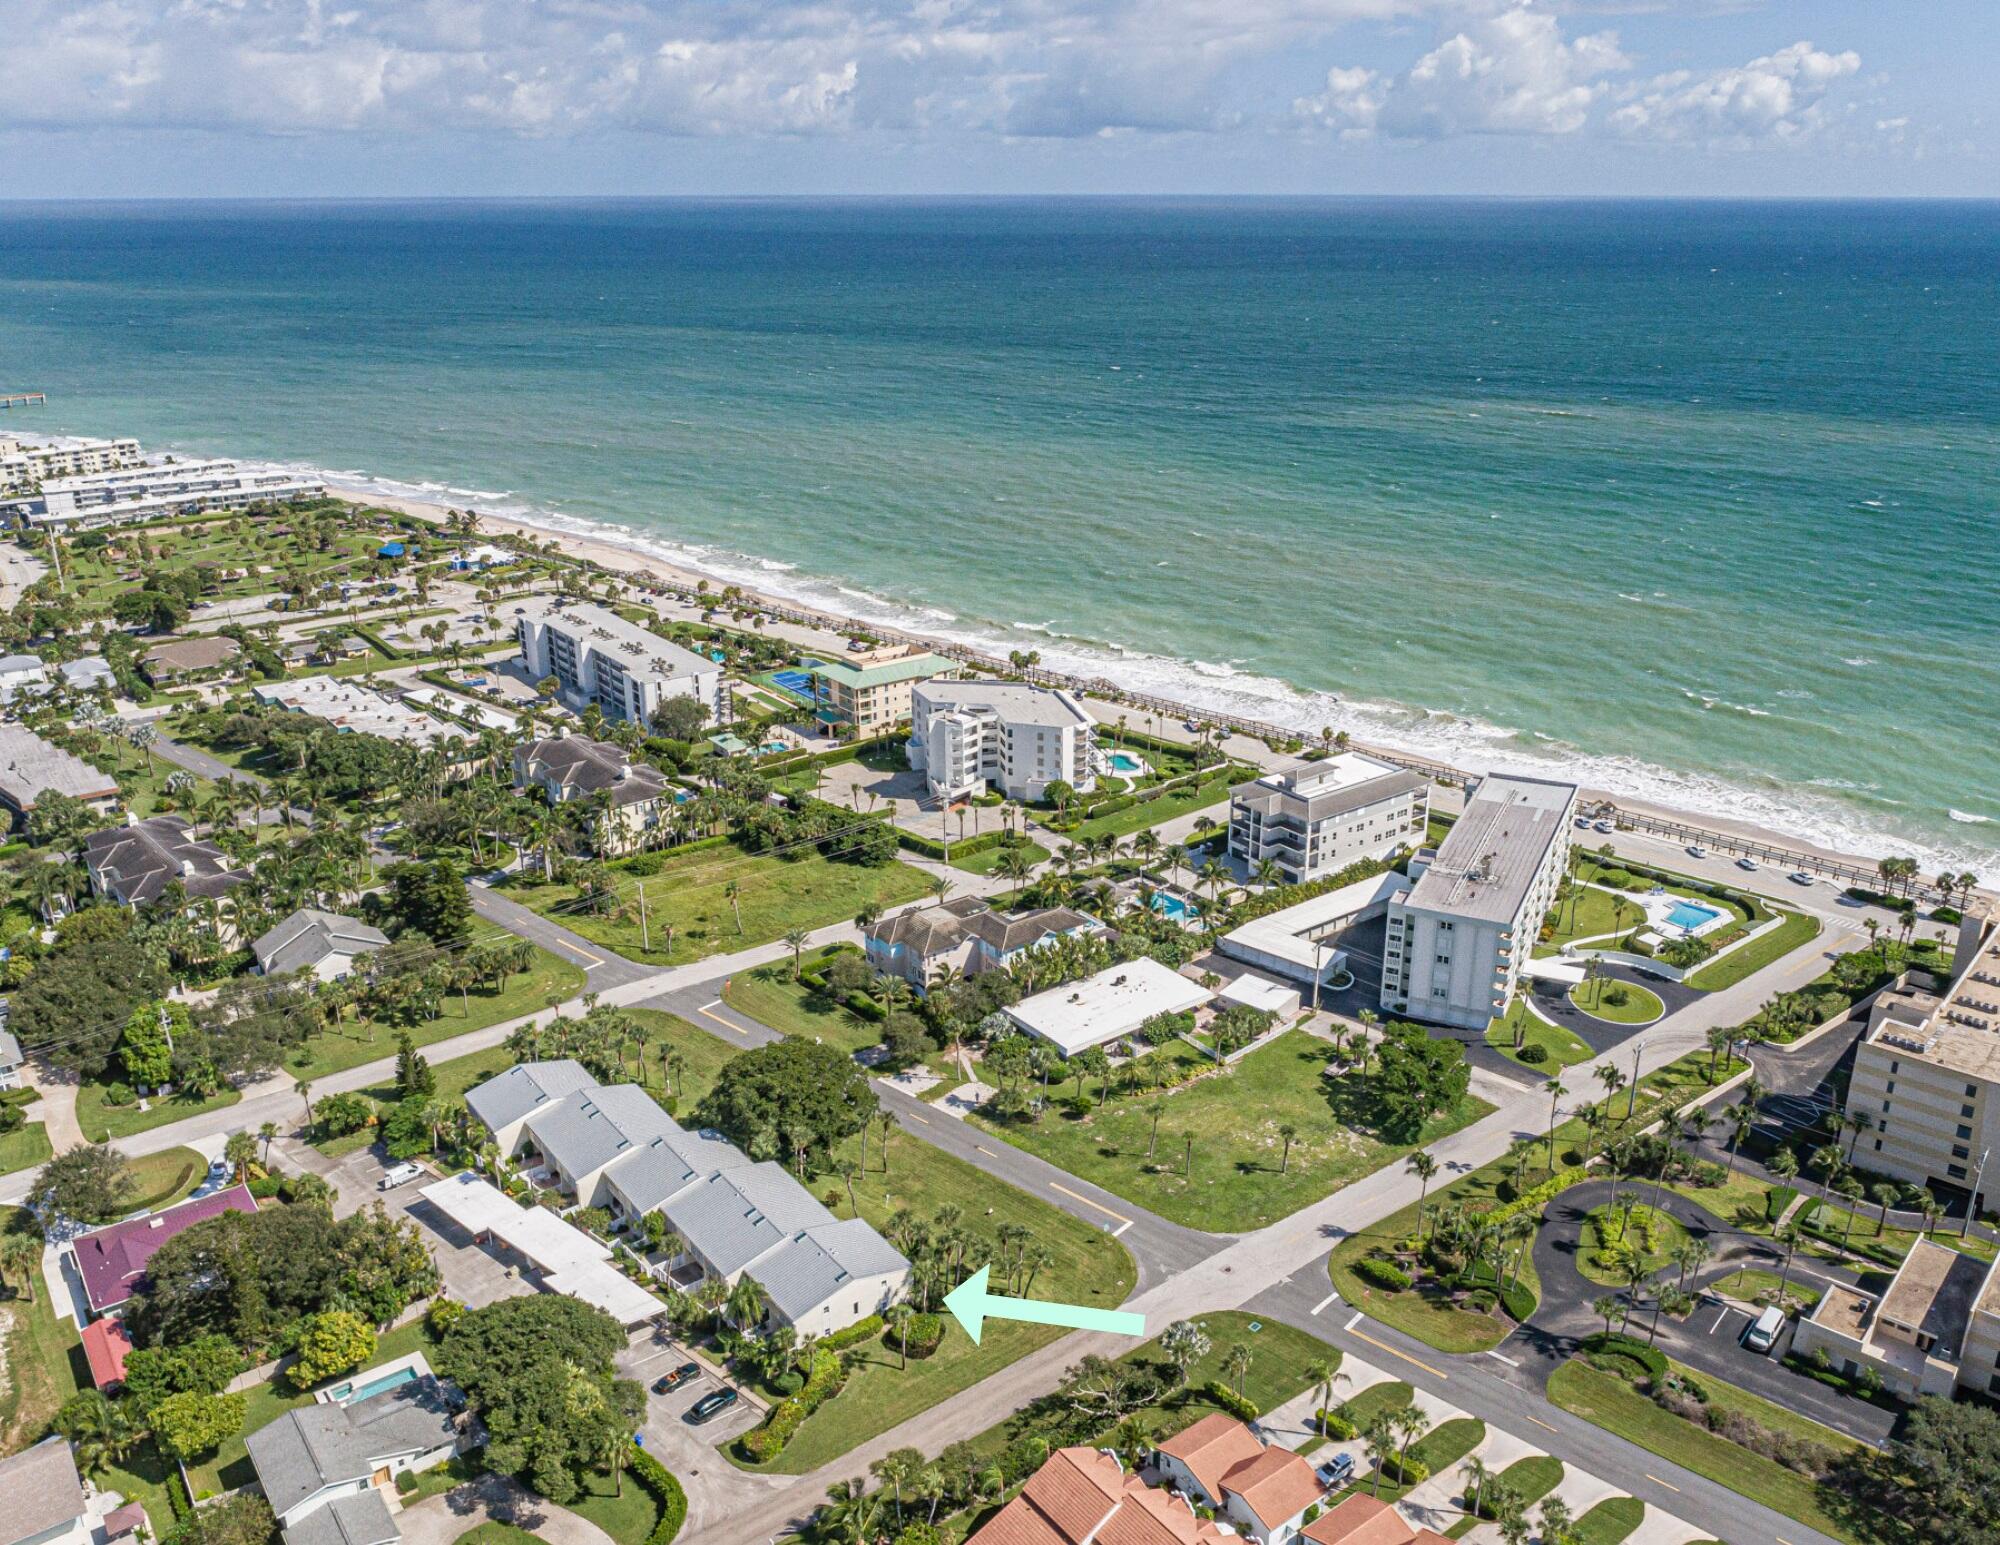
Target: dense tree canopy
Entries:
(431, 899)
(538, 1374)
(91, 1185)
(78, 998)
(1416, 1079)
(792, 1098)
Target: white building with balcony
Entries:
(1457, 943)
(153, 491)
(628, 671)
(969, 737)
(23, 463)
(1319, 817)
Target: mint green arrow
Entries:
(970, 1304)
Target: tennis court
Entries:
(797, 682)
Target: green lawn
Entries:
(988, 859)
(1610, 1521)
(1565, 1050)
(101, 1120)
(1588, 912)
(26, 1147)
(628, 1519)
(496, 1534)
(1239, 1177)
(1614, 1405)
(1856, 1232)
(689, 895)
(230, 1466)
(1616, 1002)
(1798, 928)
(1533, 1478)
(1148, 813)
(1391, 1395)
(1089, 1267)
(367, 1040)
(1437, 1451)
(161, 1179)
(768, 995)
(1740, 1200)
(1754, 1286)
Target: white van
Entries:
(1762, 1332)
(398, 1175)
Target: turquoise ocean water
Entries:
(1698, 500)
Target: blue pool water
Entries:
(1125, 762)
(388, 1381)
(1172, 906)
(1689, 914)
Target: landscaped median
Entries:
(1760, 1450)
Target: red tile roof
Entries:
(1082, 1494)
(105, 1345)
(1211, 1448)
(1276, 1485)
(112, 1260)
(1360, 1520)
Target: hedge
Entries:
(767, 1442)
(1218, 1393)
(661, 1482)
(931, 847)
(1337, 1426)
(1382, 1274)
(1405, 1471)
(921, 1333)
(1614, 1344)
(1538, 1197)
(1278, 897)
(1519, 1303)
(852, 1335)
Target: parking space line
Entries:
(1498, 1356)
(1719, 1319)
(732, 1029)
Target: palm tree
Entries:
(21, 1262)
(104, 1431)
(266, 1132)
(1555, 1089)
(1784, 1164)
(240, 1150)
(1883, 1194)
(1236, 1364)
(1408, 1424)
(745, 1303)
(1378, 1437)
(795, 940)
(1423, 1166)
(1788, 1236)
(735, 892)
(1289, 1133)
(1607, 1308)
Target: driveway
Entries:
(495, 1499)
(716, 1489)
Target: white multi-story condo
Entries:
(1457, 942)
(150, 492)
(596, 656)
(23, 463)
(1927, 1073)
(967, 737)
(1320, 817)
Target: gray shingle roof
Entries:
(821, 1262)
(733, 1218)
(42, 1490)
(574, 764)
(142, 859)
(322, 1445)
(308, 936)
(584, 1131)
(356, 1520)
(668, 1165)
(506, 1097)
(10, 1051)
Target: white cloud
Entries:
(1780, 96)
(1513, 71)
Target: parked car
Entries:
(1800, 877)
(398, 1175)
(1336, 1472)
(1761, 1334)
(667, 1383)
(1605, 827)
(711, 1406)
(1749, 864)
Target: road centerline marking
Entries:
(1080, 1197)
(732, 1029)
(1658, 1482)
(1362, 1335)
(1540, 1423)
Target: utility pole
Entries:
(1633, 1104)
(1972, 1201)
(645, 929)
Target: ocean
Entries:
(1697, 500)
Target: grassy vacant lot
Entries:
(1564, 1049)
(1088, 1267)
(988, 859)
(690, 895)
(1796, 929)
(768, 995)
(1616, 1406)
(101, 1120)
(230, 1466)
(26, 1147)
(367, 1040)
(1616, 1002)
(1219, 1163)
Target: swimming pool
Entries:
(342, 1394)
(1173, 906)
(1126, 763)
(1691, 915)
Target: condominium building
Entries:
(628, 671)
(870, 690)
(1934, 1330)
(967, 737)
(1320, 817)
(1927, 1072)
(152, 491)
(633, 798)
(23, 463)
(1456, 944)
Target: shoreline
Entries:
(634, 560)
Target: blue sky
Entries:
(122, 98)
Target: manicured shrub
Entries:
(1649, 1358)
(1337, 1425)
(1220, 1394)
(1406, 1471)
(765, 1443)
(1386, 1275)
(1519, 1302)
(852, 1335)
(661, 1482)
(1532, 1054)
(922, 1333)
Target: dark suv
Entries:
(711, 1406)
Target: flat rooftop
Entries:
(1100, 1008)
(1014, 701)
(1933, 1293)
(1491, 855)
(1317, 790)
(639, 650)
(1957, 1028)
(1289, 935)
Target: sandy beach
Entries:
(634, 560)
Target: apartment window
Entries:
(1895, 1067)
(1882, 1125)
(1440, 992)
(1878, 1145)
(1446, 927)
(1965, 1111)
(1955, 1171)
(1965, 1132)
(1885, 1107)
(1443, 959)
(1971, 1091)
(1960, 1151)
(1891, 1088)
